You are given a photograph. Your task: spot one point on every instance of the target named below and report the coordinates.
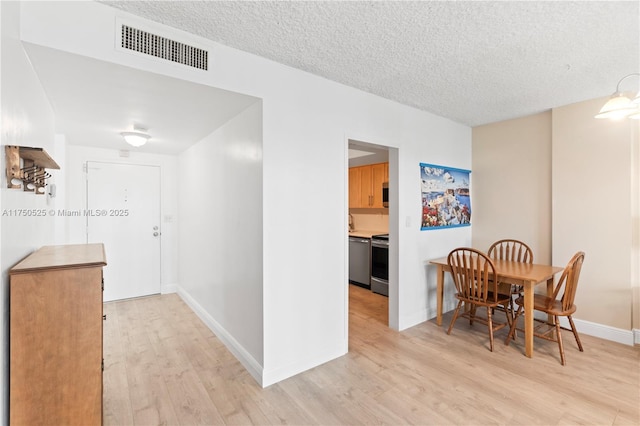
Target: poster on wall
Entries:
(446, 202)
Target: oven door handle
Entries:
(380, 244)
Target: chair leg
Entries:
(512, 330)
(575, 333)
(512, 310)
(508, 312)
(556, 321)
(490, 321)
(472, 314)
(510, 319)
(455, 316)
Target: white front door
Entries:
(123, 212)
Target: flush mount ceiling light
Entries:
(137, 137)
(620, 106)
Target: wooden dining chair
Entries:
(556, 306)
(474, 276)
(514, 250)
(509, 249)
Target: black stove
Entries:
(380, 264)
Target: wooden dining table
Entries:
(527, 275)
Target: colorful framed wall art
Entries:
(446, 200)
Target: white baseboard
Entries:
(253, 367)
(409, 321)
(416, 318)
(603, 331)
(274, 376)
(263, 377)
(169, 288)
(626, 337)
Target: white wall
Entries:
(306, 181)
(27, 120)
(220, 243)
(307, 122)
(426, 139)
(592, 209)
(512, 191)
(573, 184)
(74, 192)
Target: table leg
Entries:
(528, 319)
(550, 293)
(439, 294)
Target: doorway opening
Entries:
(372, 237)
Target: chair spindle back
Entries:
(569, 281)
(473, 274)
(509, 249)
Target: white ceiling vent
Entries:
(162, 47)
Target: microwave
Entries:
(385, 194)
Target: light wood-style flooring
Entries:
(164, 366)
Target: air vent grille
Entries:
(162, 47)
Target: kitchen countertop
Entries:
(365, 233)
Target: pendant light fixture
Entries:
(619, 106)
(137, 137)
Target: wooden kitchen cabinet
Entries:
(55, 348)
(355, 177)
(365, 185)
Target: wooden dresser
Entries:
(56, 336)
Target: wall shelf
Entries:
(26, 168)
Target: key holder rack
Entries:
(26, 168)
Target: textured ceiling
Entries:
(474, 62)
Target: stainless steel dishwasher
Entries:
(360, 261)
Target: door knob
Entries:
(155, 234)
